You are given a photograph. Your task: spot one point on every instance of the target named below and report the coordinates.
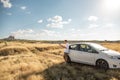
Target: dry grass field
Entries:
(44, 61)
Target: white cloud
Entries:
(22, 32)
(23, 7)
(70, 34)
(92, 18)
(48, 32)
(98, 33)
(43, 34)
(69, 20)
(56, 19)
(93, 26)
(57, 22)
(40, 21)
(109, 25)
(55, 25)
(102, 26)
(72, 29)
(6, 3)
(9, 14)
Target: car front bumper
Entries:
(113, 63)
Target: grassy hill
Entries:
(23, 60)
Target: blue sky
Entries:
(60, 19)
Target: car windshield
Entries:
(99, 47)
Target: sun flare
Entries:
(112, 5)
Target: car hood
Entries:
(111, 53)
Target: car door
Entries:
(86, 54)
(73, 52)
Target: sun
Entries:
(112, 5)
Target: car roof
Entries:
(83, 43)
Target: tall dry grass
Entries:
(113, 46)
(43, 61)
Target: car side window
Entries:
(83, 47)
(91, 50)
(73, 47)
(87, 48)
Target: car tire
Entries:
(67, 59)
(102, 64)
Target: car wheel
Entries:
(67, 59)
(102, 64)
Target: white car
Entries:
(93, 54)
